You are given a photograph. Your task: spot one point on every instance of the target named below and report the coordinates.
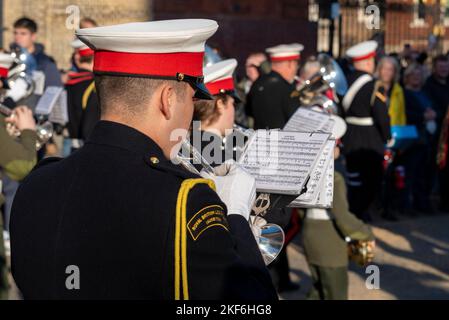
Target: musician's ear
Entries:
(167, 97)
(221, 104)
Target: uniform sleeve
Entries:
(17, 157)
(346, 222)
(224, 261)
(380, 113)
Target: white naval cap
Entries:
(168, 49)
(285, 52)
(81, 48)
(362, 51)
(219, 78)
(6, 61)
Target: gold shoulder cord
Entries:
(86, 95)
(181, 236)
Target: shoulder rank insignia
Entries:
(208, 217)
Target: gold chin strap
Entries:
(86, 95)
(181, 236)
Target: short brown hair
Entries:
(126, 95)
(86, 59)
(207, 110)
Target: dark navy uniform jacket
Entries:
(136, 226)
(372, 137)
(271, 101)
(82, 104)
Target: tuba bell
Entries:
(329, 76)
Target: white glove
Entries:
(235, 187)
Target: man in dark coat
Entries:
(118, 219)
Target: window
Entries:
(419, 14)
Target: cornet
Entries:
(269, 237)
(44, 129)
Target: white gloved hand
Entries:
(235, 187)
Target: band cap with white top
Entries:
(81, 48)
(285, 52)
(167, 49)
(6, 61)
(362, 51)
(219, 78)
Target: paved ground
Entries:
(412, 255)
(413, 259)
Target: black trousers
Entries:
(365, 175)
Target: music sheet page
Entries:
(316, 186)
(308, 120)
(282, 161)
(48, 100)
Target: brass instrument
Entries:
(269, 237)
(44, 129)
(361, 252)
(329, 76)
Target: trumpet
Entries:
(44, 128)
(269, 237)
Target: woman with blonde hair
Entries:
(387, 73)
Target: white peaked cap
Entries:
(219, 71)
(78, 44)
(6, 60)
(362, 51)
(165, 36)
(169, 49)
(219, 78)
(285, 52)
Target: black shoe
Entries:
(290, 286)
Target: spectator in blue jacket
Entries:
(25, 34)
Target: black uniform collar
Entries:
(122, 136)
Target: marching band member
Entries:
(368, 130)
(324, 234)
(82, 101)
(216, 116)
(134, 224)
(270, 100)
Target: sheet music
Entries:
(326, 196)
(282, 161)
(316, 183)
(53, 103)
(59, 114)
(308, 120)
(48, 100)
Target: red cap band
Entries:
(86, 52)
(150, 64)
(216, 86)
(367, 56)
(286, 58)
(4, 72)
